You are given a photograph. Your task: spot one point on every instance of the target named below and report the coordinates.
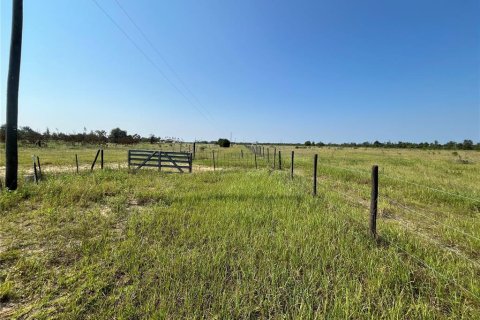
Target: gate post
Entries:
(190, 163)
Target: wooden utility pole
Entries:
(11, 146)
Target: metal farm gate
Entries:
(160, 159)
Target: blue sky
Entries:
(284, 71)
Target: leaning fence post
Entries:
(374, 202)
(291, 167)
(315, 160)
(95, 160)
(101, 159)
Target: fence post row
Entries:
(374, 202)
(315, 160)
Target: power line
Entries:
(163, 58)
(146, 56)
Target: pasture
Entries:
(245, 240)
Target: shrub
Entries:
(224, 143)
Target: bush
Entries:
(224, 143)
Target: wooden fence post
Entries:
(256, 167)
(101, 159)
(241, 152)
(279, 160)
(39, 167)
(315, 160)
(76, 161)
(291, 166)
(95, 160)
(35, 176)
(268, 155)
(190, 163)
(194, 150)
(129, 156)
(374, 202)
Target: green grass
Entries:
(240, 243)
(232, 244)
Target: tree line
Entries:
(116, 135)
(451, 145)
(119, 136)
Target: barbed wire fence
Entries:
(279, 159)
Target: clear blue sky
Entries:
(286, 71)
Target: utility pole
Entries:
(11, 146)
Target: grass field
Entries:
(244, 243)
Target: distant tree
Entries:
(46, 134)
(467, 145)
(136, 138)
(450, 145)
(224, 143)
(308, 143)
(153, 139)
(117, 135)
(29, 135)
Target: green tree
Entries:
(117, 135)
(224, 143)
